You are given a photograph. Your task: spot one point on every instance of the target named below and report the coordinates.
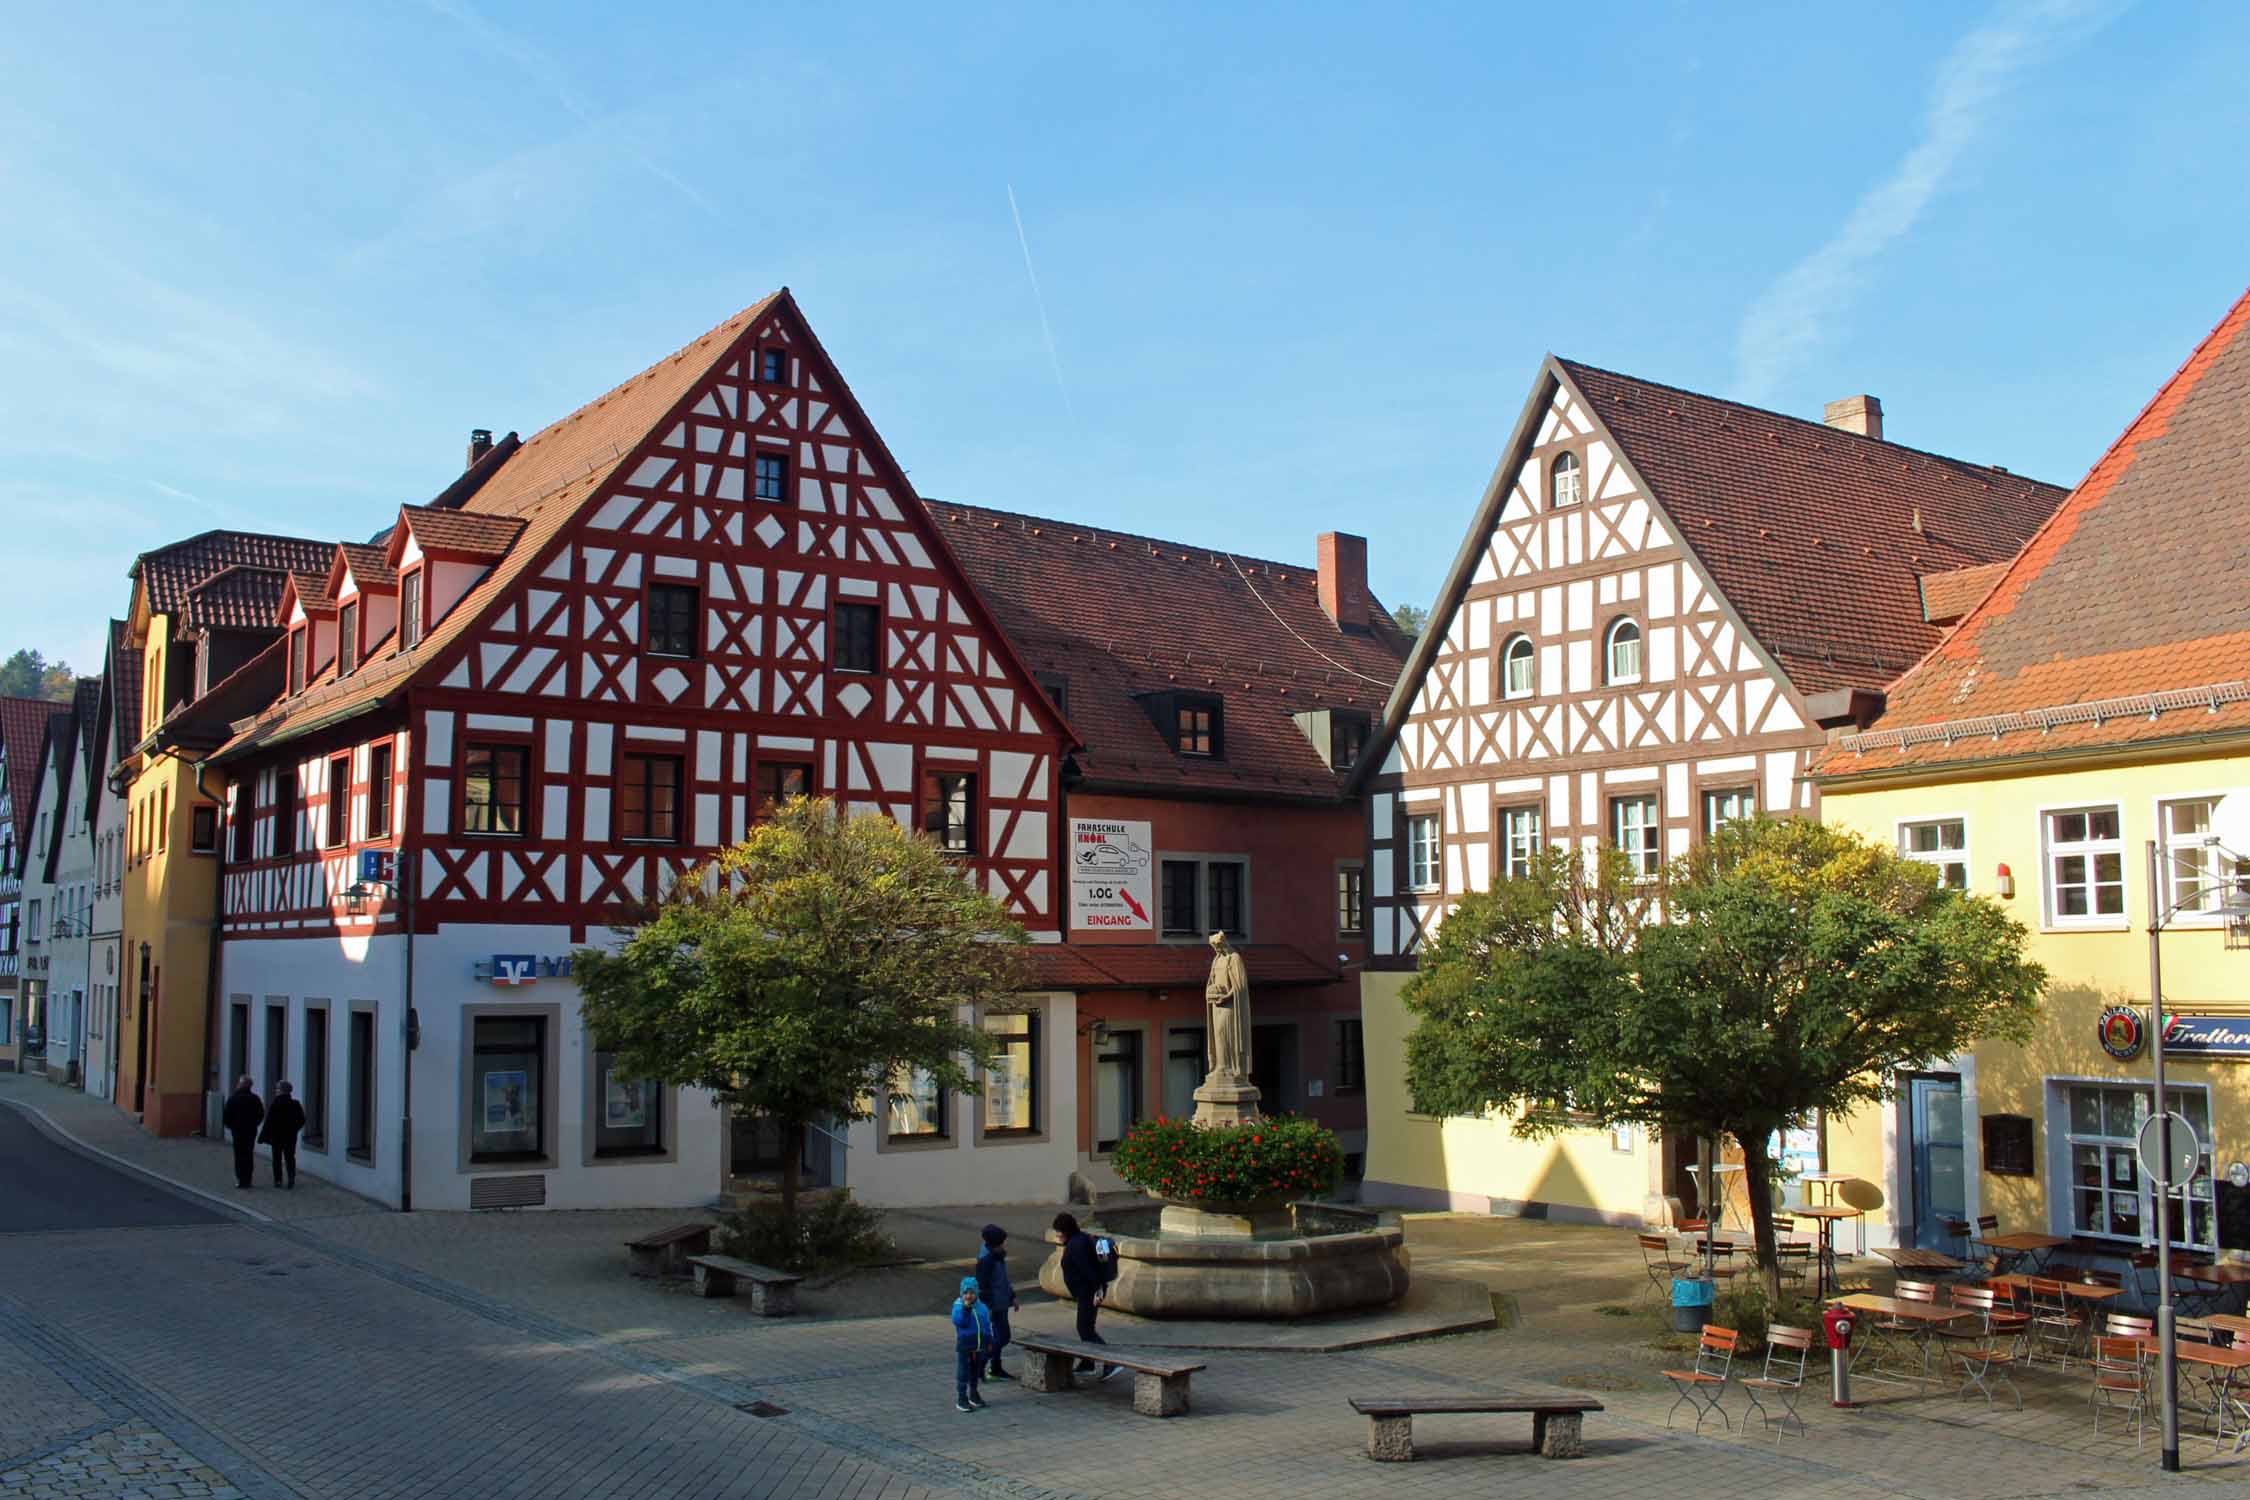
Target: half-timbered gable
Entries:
(1661, 600)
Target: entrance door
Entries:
(1117, 1088)
(1273, 1066)
(1183, 1070)
(140, 1049)
(1939, 1158)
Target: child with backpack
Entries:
(972, 1346)
(1087, 1271)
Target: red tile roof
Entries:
(234, 598)
(468, 532)
(1168, 966)
(369, 569)
(125, 688)
(168, 573)
(1946, 597)
(1121, 615)
(1816, 536)
(23, 732)
(2126, 620)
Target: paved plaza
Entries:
(158, 1343)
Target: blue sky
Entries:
(266, 267)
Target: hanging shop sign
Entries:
(2208, 1036)
(2123, 1032)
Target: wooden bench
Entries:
(773, 1294)
(666, 1252)
(1160, 1385)
(1556, 1421)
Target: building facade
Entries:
(23, 949)
(1662, 603)
(2095, 702)
(58, 884)
(114, 731)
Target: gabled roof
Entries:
(2125, 620)
(1815, 536)
(464, 533)
(1946, 597)
(239, 597)
(208, 722)
(370, 568)
(306, 591)
(124, 678)
(1122, 616)
(167, 573)
(23, 735)
(60, 761)
(86, 705)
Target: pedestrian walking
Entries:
(972, 1346)
(997, 1291)
(242, 1116)
(284, 1121)
(1087, 1280)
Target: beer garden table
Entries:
(2224, 1366)
(1824, 1269)
(1922, 1260)
(2034, 1247)
(1927, 1318)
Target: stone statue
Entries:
(1226, 1006)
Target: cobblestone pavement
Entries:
(472, 1355)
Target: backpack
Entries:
(1105, 1257)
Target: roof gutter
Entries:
(2026, 762)
(309, 726)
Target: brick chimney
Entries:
(1343, 580)
(1860, 414)
(480, 443)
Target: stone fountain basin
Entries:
(1314, 1258)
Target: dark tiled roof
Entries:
(23, 732)
(1121, 615)
(208, 722)
(1816, 536)
(471, 533)
(1153, 966)
(369, 570)
(311, 592)
(125, 692)
(1946, 597)
(169, 573)
(86, 705)
(2126, 619)
(234, 598)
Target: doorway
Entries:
(1117, 1088)
(1273, 1066)
(277, 1048)
(1937, 1156)
(140, 1045)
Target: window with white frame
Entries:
(2197, 872)
(1621, 652)
(1566, 481)
(1422, 852)
(1519, 841)
(2085, 867)
(1730, 805)
(1519, 668)
(1942, 842)
(2109, 1196)
(1633, 830)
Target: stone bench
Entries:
(1160, 1385)
(1556, 1421)
(773, 1294)
(666, 1252)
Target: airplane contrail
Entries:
(1040, 302)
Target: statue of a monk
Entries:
(1226, 1005)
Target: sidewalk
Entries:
(202, 1167)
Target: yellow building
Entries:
(202, 629)
(2096, 703)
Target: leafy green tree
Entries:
(805, 972)
(58, 683)
(1798, 968)
(23, 675)
(1410, 618)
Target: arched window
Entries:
(1621, 651)
(1566, 481)
(1518, 675)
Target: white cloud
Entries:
(1790, 317)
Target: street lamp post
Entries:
(2167, 1351)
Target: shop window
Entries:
(772, 477)
(949, 811)
(1519, 841)
(648, 799)
(379, 790)
(314, 1076)
(1633, 832)
(853, 631)
(203, 829)
(1351, 1054)
(1011, 1087)
(1422, 852)
(359, 1134)
(492, 788)
(507, 1088)
(2085, 867)
(779, 780)
(1942, 843)
(628, 1112)
(1732, 805)
(2109, 1198)
(1519, 668)
(1351, 901)
(918, 1111)
(672, 612)
(337, 815)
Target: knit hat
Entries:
(994, 1234)
(968, 1283)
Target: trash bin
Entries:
(1691, 1304)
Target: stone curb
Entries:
(48, 1125)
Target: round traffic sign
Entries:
(2173, 1167)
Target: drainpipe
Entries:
(218, 929)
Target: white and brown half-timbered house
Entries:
(584, 666)
(1662, 600)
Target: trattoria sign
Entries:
(2208, 1036)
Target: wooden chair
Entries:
(2126, 1326)
(1704, 1387)
(2054, 1322)
(1892, 1328)
(2120, 1369)
(1657, 1258)
(1794, 1261)
(1787, 1349)
(1980, 1253)
(2142, 1265)
(1986, 1350)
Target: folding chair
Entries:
(1916, 1332)
(2142, 1264)
(1784, 1379)
(2054, 1322)
(1705, 1386)
(2120, 1368)
(1988, 1350)
(1794, 1261)
(2126, 1326)
(1656, 1257)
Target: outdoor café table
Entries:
(2237, 1328)
(2222, 1367)
(1826, 1182)
(1824, 1269)
(1927, 1318)
(2091, 1292)
(1717, 1195)
(1922, 1260)
(2222, 1279)
(2033, 1247)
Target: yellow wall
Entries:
(2087, 969)
(1481, 1165)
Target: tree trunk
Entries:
(1757, 1181)
(792, 1153)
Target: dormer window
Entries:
(1347, 740)
(410, 610)
(773, 366)
(1197, 727)
(1566, 481)
(297, 637)
(347, 639)
(1057, 688)
(1621, 652)
(1519, 674)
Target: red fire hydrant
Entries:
(1836, 1323)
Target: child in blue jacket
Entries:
(972, 1346)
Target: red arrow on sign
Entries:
(1129, 901)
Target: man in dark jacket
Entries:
(244, 1113)
(1083, 1279)
(283, 1122)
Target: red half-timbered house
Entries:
(533, 702)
